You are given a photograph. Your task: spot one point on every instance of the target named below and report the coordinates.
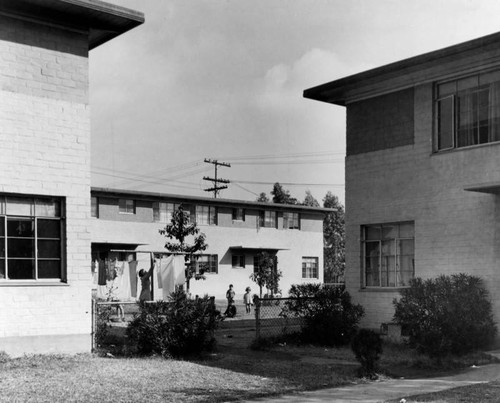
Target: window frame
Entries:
(469, 87)
(266, 216)
(126, 206)
(40, 246)
(238, 214)
(313, 270)
(295, 220)
(205, 214)
(238, 261)
(213, 263)
(382, 242)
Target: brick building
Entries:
(127, 222)
(45, 169)
(422, 172)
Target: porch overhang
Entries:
(256, 248)
(489, 187)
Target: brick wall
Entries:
(455, 230)
(44, 143)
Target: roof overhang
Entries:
(440, 64)
(256, 248)
(490, 187)
(103, 21)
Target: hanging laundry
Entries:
(122, 281)
(172, 274)
(132, 267)
(158, 272)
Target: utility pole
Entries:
(216, 180)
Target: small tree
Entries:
(180, 228)
(266, 273)
(263, 198)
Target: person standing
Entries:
(231, 309)
(247, 300)
(145, 277)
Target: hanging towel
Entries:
(122, 281)
(172, 274)
(132, 268)
(158, 265)
(102, 273)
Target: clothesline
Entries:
(165, 252)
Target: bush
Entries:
(175, 328)
(102, 326)
(330, 317)
(367, 347)
(446, 315)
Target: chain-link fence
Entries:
(273, 318)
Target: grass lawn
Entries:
(232, 372)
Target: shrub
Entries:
(101, 332)
(330, 317)
(446, 315)
(175, 328)
(367, 347)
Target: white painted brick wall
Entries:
(45, 149)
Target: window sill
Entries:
(466, 148)
(32, 283)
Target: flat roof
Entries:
(208, 200)
(335, 92)
(103, 20)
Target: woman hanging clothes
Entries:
(145, 277)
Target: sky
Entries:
(223, 80)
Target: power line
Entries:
(216, 180)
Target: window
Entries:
(31, 238)
(388, 254)
(468, 111)
(309, 267)
(238, 214)
(94, 207)
(291, 220)
(126, 206)
(206, 264)
(238, 261)
(206, 215)
(268, 219)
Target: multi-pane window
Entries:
(291, 220)
(309, 267)
(268, 219)
(94, 207)
(468, 111)
(238, 214)
(206, 264)
(206, 215)
(31, 238)
(126, 206)
(388, 254)
(238, 261)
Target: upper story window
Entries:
(388, 254)
(94, 207)
(291, 220)
(238, 214)
(468, 111)
(31, 238)
(237, 261)
(206, 215)
(268, 219)
(126, 206)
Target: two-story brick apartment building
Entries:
(422, 171)
(126, 222)
(45, 169)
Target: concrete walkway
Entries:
(381, 391)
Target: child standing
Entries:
(247, 299)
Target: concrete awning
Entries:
(490, 187)
(256, 248)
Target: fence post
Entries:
(93, 318)
(257, 317)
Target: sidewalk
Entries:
(381, 391)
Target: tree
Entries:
(266, 273)
(282, 196)
(263, 198)
(180, 228)
(334, 238)
(309, 200)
